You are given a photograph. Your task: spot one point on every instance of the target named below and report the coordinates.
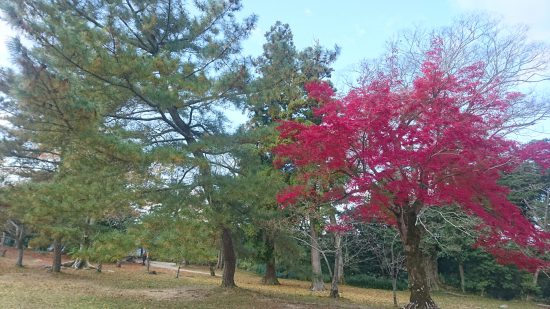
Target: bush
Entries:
(367, 281)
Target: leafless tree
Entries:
(510, 60)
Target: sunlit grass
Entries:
(131, 287)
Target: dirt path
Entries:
(173, 266)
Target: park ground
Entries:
(130, 286)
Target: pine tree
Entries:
(279, 94)
(164, 68)
(55, 138)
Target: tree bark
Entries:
(148, 262)
(317, 283)
(410, 236)
(84, 244)
(536, 277)
(336, 274)
(19, 240)
(219, 264)
(432, 272)
(394, 289)
(394, 273)
(270, 276)
(229, 260)
(56, 264)
(341, 278)
(2, 249)
(462, 279)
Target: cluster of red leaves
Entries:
(431, 144)
(538, 152)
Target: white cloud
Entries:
(308, 12)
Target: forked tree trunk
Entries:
(270, 276)
(317, 283)
(56, 264)
(19, 240)
(410, 236)
(462, 279)
(229, 260)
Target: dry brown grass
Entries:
(131, 287)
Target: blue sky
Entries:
(361, 27)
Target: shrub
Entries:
(367, 281)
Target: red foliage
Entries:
(538, 152)
(319, 91)
(432, 144)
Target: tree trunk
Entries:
(212, 270)
(84, 244)
(317, 283)
(219, 265)
(530, 296)
(229, 260)
(270, 276)
(394, 289)
(56, 265)
(341, 278)
(536, 277)
(336, 274)
(178, 272)
(19, 240)
(410, 236)
(143, 257)
(432, 273)
(2, 249)
(394, 272)
(462, 279)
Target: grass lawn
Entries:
(131, 287)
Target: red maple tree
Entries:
(402, 149)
